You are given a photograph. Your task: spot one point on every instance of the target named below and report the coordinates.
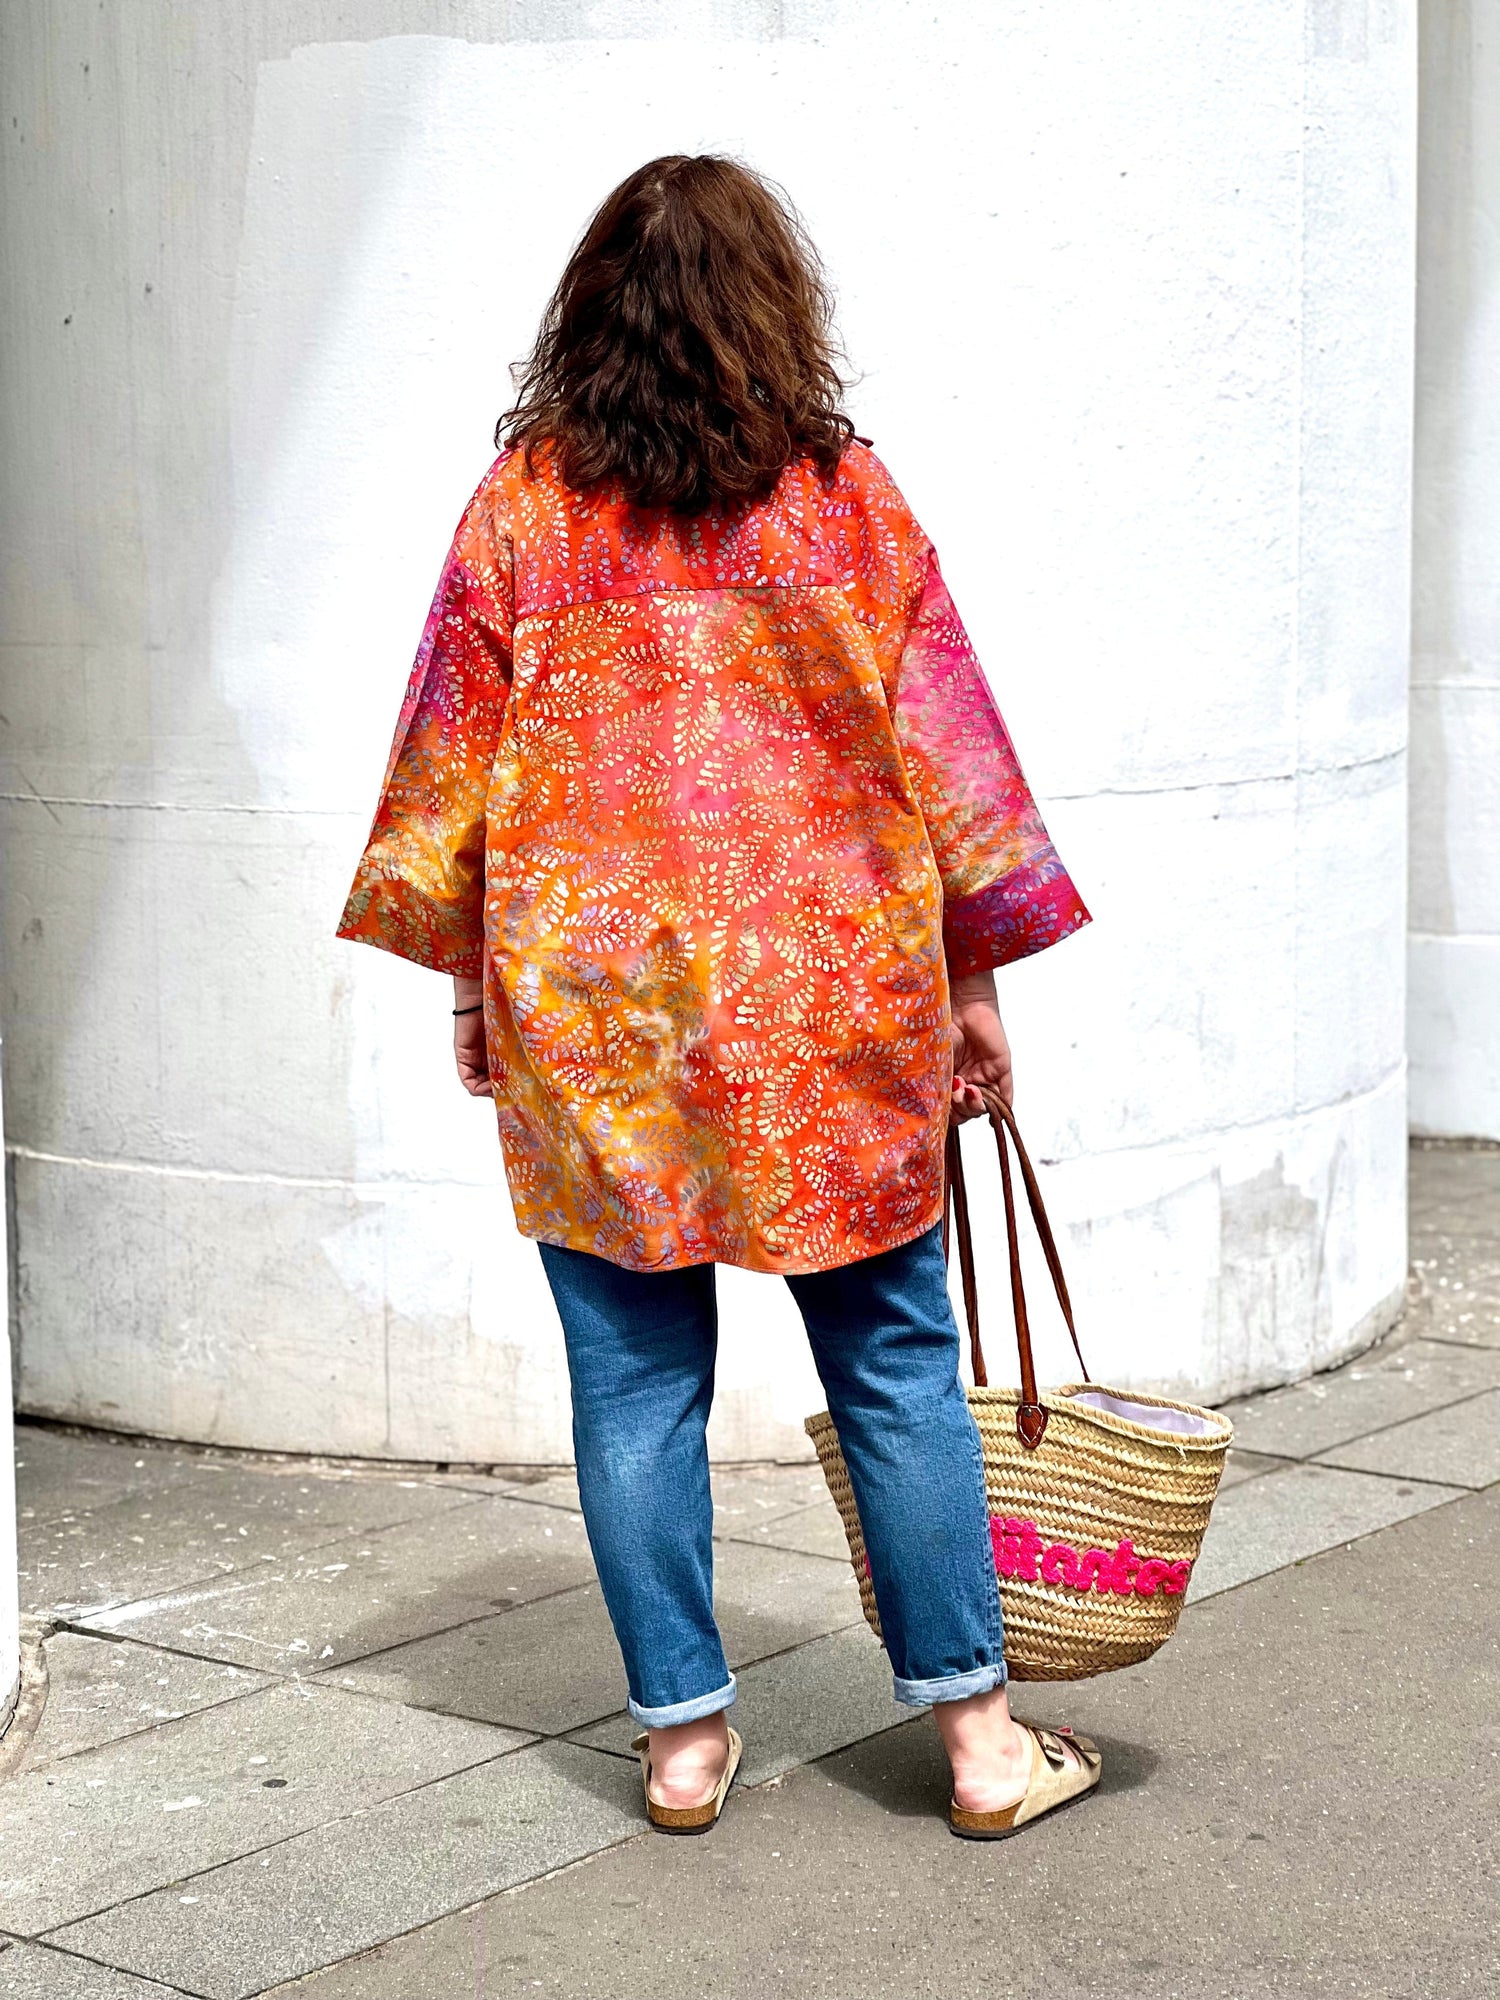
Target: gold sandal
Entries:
(1055, 1780)
(687, 1819)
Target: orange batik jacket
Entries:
(707, 802)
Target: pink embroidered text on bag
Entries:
(1021, 1554)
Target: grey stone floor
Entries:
(356, 1734)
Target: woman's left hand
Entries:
(981, 1052)
(470, 1053)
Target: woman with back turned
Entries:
(700, 796)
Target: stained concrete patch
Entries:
(80, 1835)
(1287, 1516)
(1242, 1843)
(1385, 1387)
(34, 1972)
(58, 1472)
(796, 1707)
(234, 1930)
(368, 1591)
(547, 1666)
(215, 1523)
(101, 1689)
(1459, 1446)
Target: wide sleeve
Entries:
(419, 887)
(1006, 894)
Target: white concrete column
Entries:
(1130, 300)
(10, 1608)
(1455, 711)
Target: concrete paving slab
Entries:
(1239, 1845)
(1459, 1446)
(35, 1972)
(235, 1930)
(813, 1531)
(368, 1591)
(1455, 1189)
(81, 1834)
(796, 1707)
(1387, 1386)
(223, 1518)
(749, 1496)
(767, 1599)
(1455, 1243)
(1243, 1465)
(550, 1489)
(58, 1472)
(743, 1494)
(1458, 1290)
(553, 1666)
(1287, 1516)
(99, 1690)
(547, 1667)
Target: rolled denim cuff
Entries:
(950, 1687)
(683, 1711)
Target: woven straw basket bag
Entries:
(1098, 1500)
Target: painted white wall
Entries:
(1455, 714)
(1129, 293)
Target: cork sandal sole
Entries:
(688, 1819)
(1055, 1781)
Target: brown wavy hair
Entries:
(687, 356)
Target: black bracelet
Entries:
(477, 1008)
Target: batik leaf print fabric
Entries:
(1006, 892)
(703, 799)
(420, 887)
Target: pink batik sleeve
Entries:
(419, 888)
(1005, 892)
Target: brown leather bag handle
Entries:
(1031, 1417)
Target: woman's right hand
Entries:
(469, 1049)
(981, 1050)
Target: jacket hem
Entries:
(789, 1267)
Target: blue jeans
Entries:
(641, 1348)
